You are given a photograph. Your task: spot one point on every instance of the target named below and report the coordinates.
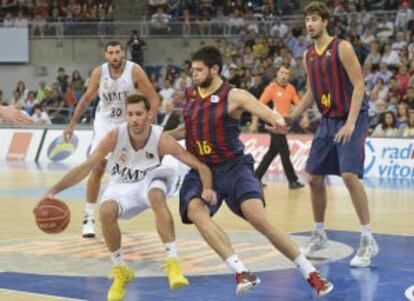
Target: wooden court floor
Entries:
(392, 208)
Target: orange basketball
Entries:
(52, 215)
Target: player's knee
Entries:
(316, 182)
(108, 212)
(196, 212)
(156, 198)
(349, 178)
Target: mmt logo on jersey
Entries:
(390, 158)
(59, 149)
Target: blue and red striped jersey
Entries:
(212, 135)
(330, 84)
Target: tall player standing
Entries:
(113, 81)
(335, 83)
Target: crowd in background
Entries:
(385, 48)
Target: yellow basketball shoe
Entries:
(176, 278)
(122, 275)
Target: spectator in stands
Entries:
(399, 42)
(374, 56)
(377, 108)
(20, 20)
(63, 80)
(404, 15)
(42, 92)
(29, 103)
(390, 57)
(403, 78)
(408, 129)
(383, 73)
(78, 84)
(23, 91)
(39, 116)
(379, 91)
(159, 21)
(136, 48)
(409, 97)
(402, 114)
(368, 38)
(387, 127)
(16, 99)
(171, 118)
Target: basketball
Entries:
(52, 215)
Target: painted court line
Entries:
(52, 297)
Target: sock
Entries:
(171, 249)
(118, 257)
(234, 263)
(90, 209)
(366, 230)
(320, 227)
(304, 265)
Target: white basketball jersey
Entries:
(129, 165)
(113, 93)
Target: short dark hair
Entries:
(137, 98)
(113, 44)
(317, 8)
(210, 56)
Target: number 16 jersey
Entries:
(212, 135)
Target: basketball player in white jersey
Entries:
(113, 81)
(138, 181)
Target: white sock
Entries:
(171, 249)
(304, 265)
(366, 230)
(234, 263)
(320, 227)
(90, 209)
(118, 257)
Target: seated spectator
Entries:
(404, 15)
(376, 109)
(402, 114)
(379, 91)
(374, 56)
(390, 57)
(171, 118)
(387, 127)
(159, 21)
(403, 78)
(39, 116)
(400, 42)
(408, 129)
(409, 97)
(78, 84)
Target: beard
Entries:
(207, 82)
(117, 65)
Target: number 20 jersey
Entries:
(113, 94)
(212, 135)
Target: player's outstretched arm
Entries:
(178, 133)
(84, 102)
(168, 146)
(247, 102)
(14, 115)
(78, 173)
(144, 85)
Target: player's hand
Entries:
(68, 133)
(45, 197)
(210, 196)
(288, 120)
(14, 115)
(345, 133)
(280, 127)
(253, 128)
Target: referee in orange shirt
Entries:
(283, 95)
